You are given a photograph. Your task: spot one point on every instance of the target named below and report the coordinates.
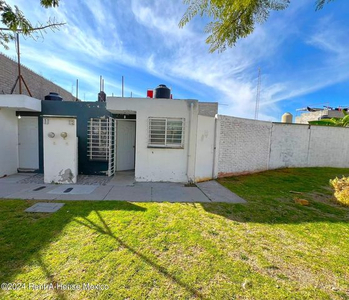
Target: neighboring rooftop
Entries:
(37, 84)
(314, 114)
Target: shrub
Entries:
(341, 189)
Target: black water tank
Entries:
(162, 91)
(53, 97)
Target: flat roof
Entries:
(20, 102)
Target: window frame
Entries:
(166, 144)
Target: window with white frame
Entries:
(166, 132)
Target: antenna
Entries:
(258, 96)
(122, 86)
(19, 77)
(77, 89)
(19, 64)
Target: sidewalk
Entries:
(120, 188)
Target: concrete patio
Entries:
(120, 187)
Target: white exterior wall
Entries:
(251, 146)
(243, 145)
(329, 147)
(8, 142)
(60, 155)
(161, 164)
(289, 146)
(205, 148)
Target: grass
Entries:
(269, 248)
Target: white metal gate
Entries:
(101, 135)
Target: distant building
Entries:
(304, 118)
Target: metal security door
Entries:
(101, 142)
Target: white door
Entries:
(125, 145)
(28, 143)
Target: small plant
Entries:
(341, 189)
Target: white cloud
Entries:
(143, 36)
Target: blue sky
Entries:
(303, 54)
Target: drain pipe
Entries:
(189, 136)
(214, 146)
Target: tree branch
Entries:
(35, 28)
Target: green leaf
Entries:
(231, 20)
(323, 122)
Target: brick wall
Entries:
(209, 109)
(243, 145)
(246, 146)
(38, 85)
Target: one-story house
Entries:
(160, 139)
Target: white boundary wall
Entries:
(243, 145)
(247, 146)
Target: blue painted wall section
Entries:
(83, 112)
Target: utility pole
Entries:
(19, 65)
(77, 89)
(258, 96)
(19, 77)
(122, 86)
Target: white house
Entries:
(160, 139)
(172, 140)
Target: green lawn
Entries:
(269, 248)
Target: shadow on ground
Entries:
(107, 231)
(280, 212)
(271, 197)
(23, 235)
